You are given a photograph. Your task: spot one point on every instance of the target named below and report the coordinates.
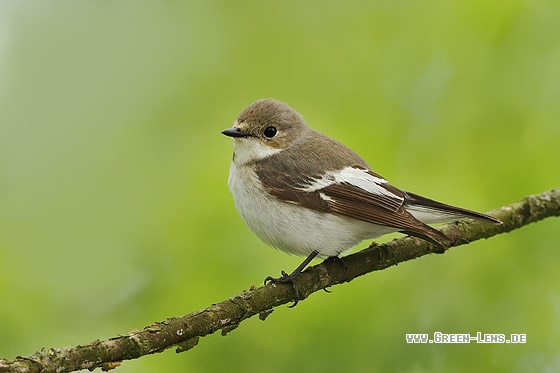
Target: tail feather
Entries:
(429, 211)
(430, 234)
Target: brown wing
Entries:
(384, 208)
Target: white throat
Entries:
(248, 150)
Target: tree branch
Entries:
(185, 331)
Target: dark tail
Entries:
(430, 211)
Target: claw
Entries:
(338, 260)
(291, 278)
(286, 278)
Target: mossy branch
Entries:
(184, 331)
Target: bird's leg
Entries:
(291, 278)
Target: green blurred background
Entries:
(114, 207)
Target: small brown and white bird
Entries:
(306, 194)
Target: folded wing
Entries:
(361, 194)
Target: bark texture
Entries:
(185, 331)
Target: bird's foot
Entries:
(291, 278)
(339, 260)
(286, 278)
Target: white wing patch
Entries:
(324, 197)
(358, 177)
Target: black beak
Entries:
(234, 132)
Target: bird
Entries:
(309, 195)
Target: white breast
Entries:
(291, 228)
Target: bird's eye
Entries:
(270, 132)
